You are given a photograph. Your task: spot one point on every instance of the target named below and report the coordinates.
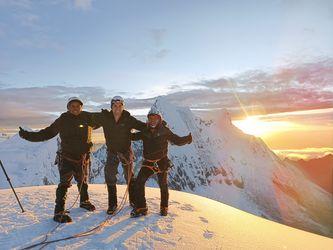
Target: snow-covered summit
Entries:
(193, 222)
(226, 164)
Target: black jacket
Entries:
(74, 131)
(155, 141)
(117, 134)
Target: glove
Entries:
(105, 111)
(189, 137)
(23, 133)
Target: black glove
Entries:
(189, 137)
(105, 111)
(23, 133)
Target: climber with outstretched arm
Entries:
(73, 157)
(155, 139)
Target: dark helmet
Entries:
(117, 98)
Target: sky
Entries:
(255, 58)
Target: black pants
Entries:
(143, 176)
(67, 170)
(111, 173)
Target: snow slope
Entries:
(194, 222)
(3, 136)
(29, 164)
(319, 170)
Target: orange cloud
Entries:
(305, 153)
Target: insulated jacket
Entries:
(117, 134)
(155, 141)
(74, 132)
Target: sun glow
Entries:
(255, 126)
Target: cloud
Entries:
(39, 41)
(29, 4)
(158, 36)
(83, 4)
(37, 105)
(25, 4)
(162, 53)
(290, 88)
(28, 19)
(305, 154)
(151, 49)
(309, 120)
(34, 33)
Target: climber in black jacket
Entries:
(155, 153)
(117, 125)
(73, 157)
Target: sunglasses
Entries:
(118, 102)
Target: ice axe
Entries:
(3, 168)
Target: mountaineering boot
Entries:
(60, 214)
(111, 210)
(84, 197)
(136, 212)
(62, 217)
(87, 205)
(164, 211)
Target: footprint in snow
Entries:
(187, 207)
(203, 219)
(164, 226)
(208, 234)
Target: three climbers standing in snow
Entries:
(73, 159)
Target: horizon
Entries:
(304, 153)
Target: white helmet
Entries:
(154, 123)
(117, 98)
(74, 98)
(154, 111)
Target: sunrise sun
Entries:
(255, 126)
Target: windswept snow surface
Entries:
(193, 222)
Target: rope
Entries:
(99, 226)
(154, 167)
(70, 207)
